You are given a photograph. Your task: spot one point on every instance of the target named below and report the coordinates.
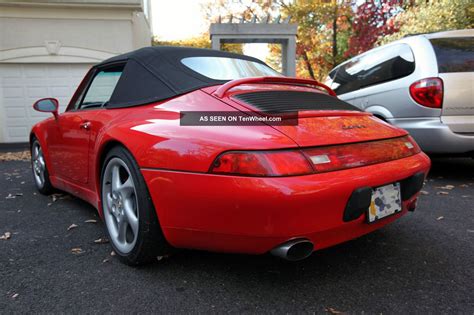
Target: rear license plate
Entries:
(385, 202)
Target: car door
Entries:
(70, 150)
(455, 58)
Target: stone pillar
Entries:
(259, 33)
(216, 42)
(288, 57)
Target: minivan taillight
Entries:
(428, 92)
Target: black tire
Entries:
(43, 185)
(150, 242)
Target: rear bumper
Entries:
(435, 137)
(253, 215)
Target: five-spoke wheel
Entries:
(40, 171)
(120, 205)
(129, 214)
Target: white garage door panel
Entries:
(23, 84)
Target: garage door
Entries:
(22, 84)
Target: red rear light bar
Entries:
(220, 92)
(346, 156)
(315, 160)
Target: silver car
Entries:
(421, 83)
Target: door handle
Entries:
(85, 125)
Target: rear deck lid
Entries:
(322, 119)
(455, 57)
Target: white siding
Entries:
(23, 84)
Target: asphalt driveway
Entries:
(424, 262)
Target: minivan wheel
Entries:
(130, 218)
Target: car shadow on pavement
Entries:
(458, 169)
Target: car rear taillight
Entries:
(361, 154)
(314, 160)
(428, 92)
(262, 163)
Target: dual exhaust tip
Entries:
(294, 250)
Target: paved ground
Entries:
(424, 262)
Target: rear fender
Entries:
(379, 111)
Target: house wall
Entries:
(108, 30)
(68, 32)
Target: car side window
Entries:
(100, 89)
(386, 64)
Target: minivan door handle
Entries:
(364, 102)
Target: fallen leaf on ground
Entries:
(424, 192)
(19, 194)
(10, 196)
(90, 221)
(442, 193)
(105, 260)
(449, 187)
(112, 253)
(77, 250)
(101, 241)
(440, 218)
(15, 156)
(6, 236)
(14, 296)
(56, 197)
(72, 226)
(464, 185)
(331, 310)
(446, 187)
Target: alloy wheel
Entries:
(39, 166)
(120, 205)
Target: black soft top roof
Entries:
(153, 74)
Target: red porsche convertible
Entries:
(162, 181)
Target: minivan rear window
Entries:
(379, 66)
(454, 54)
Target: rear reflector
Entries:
(428, 92)
(361, 154)
(315, 160)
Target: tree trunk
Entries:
(334, 37)
(308, 65)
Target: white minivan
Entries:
(422, 83)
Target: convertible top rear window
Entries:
(220, 68)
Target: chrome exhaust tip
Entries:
(294, 250)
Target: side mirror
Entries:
(47, 105)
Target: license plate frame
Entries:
(385, 201)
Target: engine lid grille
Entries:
(291, 101)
